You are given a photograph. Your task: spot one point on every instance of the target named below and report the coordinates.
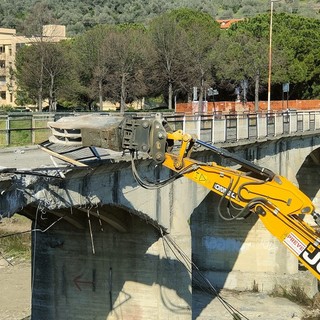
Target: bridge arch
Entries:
(104, 257)
(308, 177)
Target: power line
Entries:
(194, 271)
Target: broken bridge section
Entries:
(106, 181)
(97, 244)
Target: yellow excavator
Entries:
(248, 189)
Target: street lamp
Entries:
(270, 55)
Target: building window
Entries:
(3, 95)
(2, 49)
(2, 64)
(2, 80)
(10, 50)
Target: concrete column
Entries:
(105, 274)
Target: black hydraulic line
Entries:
(264, 172)
(151, 185)
(159, 184)
(191, 266)
(243, 213)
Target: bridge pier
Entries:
(243, 255)
(97, 272)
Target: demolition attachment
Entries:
(144, 134)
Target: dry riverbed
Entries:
(15, 269)
(15, 284)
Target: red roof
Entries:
(226, 23)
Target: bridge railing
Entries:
(26, 128)
(220, 128)
(31, 128)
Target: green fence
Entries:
(18, 129)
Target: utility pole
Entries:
(270, 56)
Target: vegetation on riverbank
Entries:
(15, 239)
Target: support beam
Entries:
(66, 216)
(108, 218)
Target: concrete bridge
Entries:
(105, 248)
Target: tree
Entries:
(111, 62)
(295, 50)
(81, 15)
(169, 43)
(130, 47)
(242, 59)
(202, 31)
(29, 72)
(39, 16)
(46, 66)
(299, 38)
(93, 53)
(242, 56)
(57, 71)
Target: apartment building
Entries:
(9, 44)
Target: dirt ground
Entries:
(251, 306)
(15, 276)
(15, 298)
(15, 302)
(16, 295)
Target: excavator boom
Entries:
(250, 189)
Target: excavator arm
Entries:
(247, 189)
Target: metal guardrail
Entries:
(224, 128)
(26, 128)
(31, 128)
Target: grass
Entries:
(255, 286)
(295, 294)
(23, 131)
(18, 136)
(14, 244)
(3, 139)
(40, 133)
